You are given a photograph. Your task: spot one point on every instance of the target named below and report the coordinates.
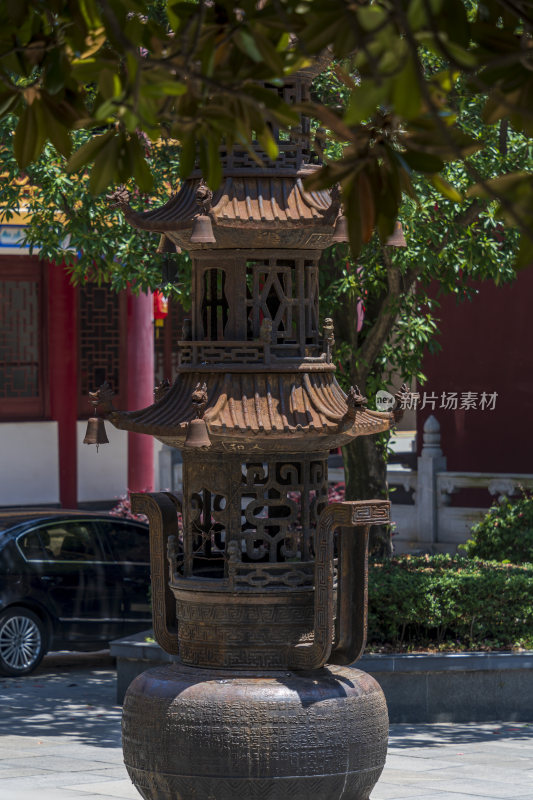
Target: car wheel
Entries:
(23, 641)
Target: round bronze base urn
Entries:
(201, 734)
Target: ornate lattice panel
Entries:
(204, 552)
(101, 341)
(20, 339)
(280, 503)
(252, 513)
(285, 292)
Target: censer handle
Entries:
(352, 590)
(161, 510)
(352, 582)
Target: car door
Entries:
(81, 582)
(130, 545)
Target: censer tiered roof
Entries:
(257, 206)
(254, 338)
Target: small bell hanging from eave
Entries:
(197, 435)
(202, 230)
(96, 432)
(341, 230)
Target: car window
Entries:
(32, 547)
(128, 543)
(71, 541)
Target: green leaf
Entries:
(30, 134)
(109, 84)
(364, 102)
(268, 143)
(406, 97)
(502, 184)
(138, 164)
(8, 101)
(165, 89)
(525, 254)
(58, 133)
(352, 212)
(214, 172)
(187, 155)
(105, 165)
(88, 151)
(422, 162)
(247, 44)
(446, 189)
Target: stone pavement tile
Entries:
(123, 789)
(504, 772)
(472, 788)
(47, 780)
(390, 791)
(404, 777)
(16, 772)
(55, 763)
(57, 794)
(405, 761)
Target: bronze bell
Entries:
(341, 230)
(197, 435)
(202, 230)
(396, 239)
(96, 433)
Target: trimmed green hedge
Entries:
(449, 603)
(505, 533)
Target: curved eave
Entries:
(243, 200)
(245, 404)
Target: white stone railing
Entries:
(430, 523)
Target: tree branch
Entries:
(388, 311)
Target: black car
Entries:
(69, 581)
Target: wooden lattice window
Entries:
(214, 307)
(102, 343)
(21, 340)
(284, 291)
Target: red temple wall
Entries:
(487, 346)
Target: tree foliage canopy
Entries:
(197, 72)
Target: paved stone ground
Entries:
(60, 740)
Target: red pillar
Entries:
(63, 376)
(140, 388)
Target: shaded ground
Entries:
(60, 740)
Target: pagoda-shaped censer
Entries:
(263, 601)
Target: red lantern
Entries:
(160, 309)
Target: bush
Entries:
(505, 533)
(442, 602)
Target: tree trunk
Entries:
(365, 469)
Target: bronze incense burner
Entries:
(262, 590)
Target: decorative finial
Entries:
(120, 198)
(204, 196)
(199, 399)
(103, 397)
(328, 330)
(161, 389)
(355, 398)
